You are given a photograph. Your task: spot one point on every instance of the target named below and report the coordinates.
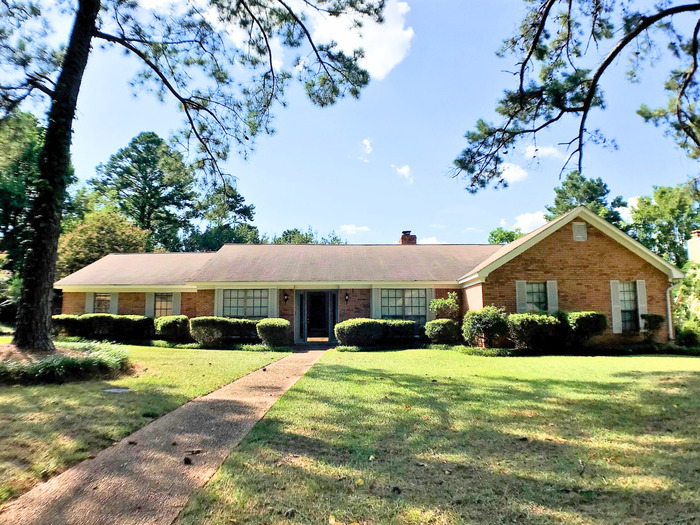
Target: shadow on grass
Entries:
(367, 446)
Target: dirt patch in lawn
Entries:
(9, 352)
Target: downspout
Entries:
(669, 313)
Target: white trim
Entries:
(150, 309)
(114, 303)
(108, 288)
(596, 221)
(89, 302)
(615, 307)
(177, 302)
(642, 303)
(322, 285)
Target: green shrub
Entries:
(443, 331)
(487, 327)
(483, 352)
(652, 325)
(174, 328)
(371, 332)
(275, 332)
(218, 332)
(104, 326)
(348, 348)
(359, 332)
(536, 332)
(584, 325)
(688, 334)
(447, 308)
(261, 348)
(102, 360)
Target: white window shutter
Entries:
(273, 302)
(218, 302)
(615, 307)
(429, 296)
(89, 302)
(114, 303)
(521, 296)
(641, 303)
(177, 300)
(376, 303)
(150, 304)
(552, 296)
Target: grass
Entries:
(439, 437)
(45, 429)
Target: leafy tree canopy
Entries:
(502, 236)
(562, 50)
(296, 236)
(152, 186)
(99, 234)
(577, 190)
(214, 237)
(664, 221)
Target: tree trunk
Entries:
(33, 330)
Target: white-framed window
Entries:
(536, 297)
(101, 303)
(163, 304)
(249, 304)
(629, 306)
(410, 304)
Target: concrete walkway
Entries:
(145, 478)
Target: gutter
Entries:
(669, 314)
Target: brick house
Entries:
(575, 262)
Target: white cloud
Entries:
(431, 240)
(530, 221)
(352, 229)
(626, 212)
(366, 150)
(472, 229)
(404, 171)
(385, 45)
(512, 172)
(543, 152)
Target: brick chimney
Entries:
(407, 238)
(694, 246)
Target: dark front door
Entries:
(317, 320)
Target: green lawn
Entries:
(429, 436)
(44, 429)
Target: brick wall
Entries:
(583, 271)
(205, 303)
(358, 305)
(188, 304)
(286, 310)
(132, 303)
(441, 293)
(473, 297)
(73, 303)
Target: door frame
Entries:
(301, 304)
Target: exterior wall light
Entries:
(347, 297)
(286, 297)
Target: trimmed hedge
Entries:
(584, 325)
(487, 327)
(536, 332)
(175, 328)
(104, 326)
(443, 332)
(372, 332)
(275, 332)
(220, 332)
(103, 360)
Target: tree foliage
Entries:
(502, 236)
(296, 236)
(151, 186)
(577, 190)
(562, 50)
(99, 234)
(664, 221)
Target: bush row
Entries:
(374, 332)
(492, 327)
(100, 360)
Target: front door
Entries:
(317, 321)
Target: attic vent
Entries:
(580, 232)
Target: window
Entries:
(251, 304)
(163, 304)
(408, 304)
(101, 304)
(536, 297)
(629, 309)
(580, 232)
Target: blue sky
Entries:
(373, 167)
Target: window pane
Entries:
(536, 296)
(628, 306)
(409, 304)
(163, 304)
(101, 303)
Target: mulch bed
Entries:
(10, 352)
